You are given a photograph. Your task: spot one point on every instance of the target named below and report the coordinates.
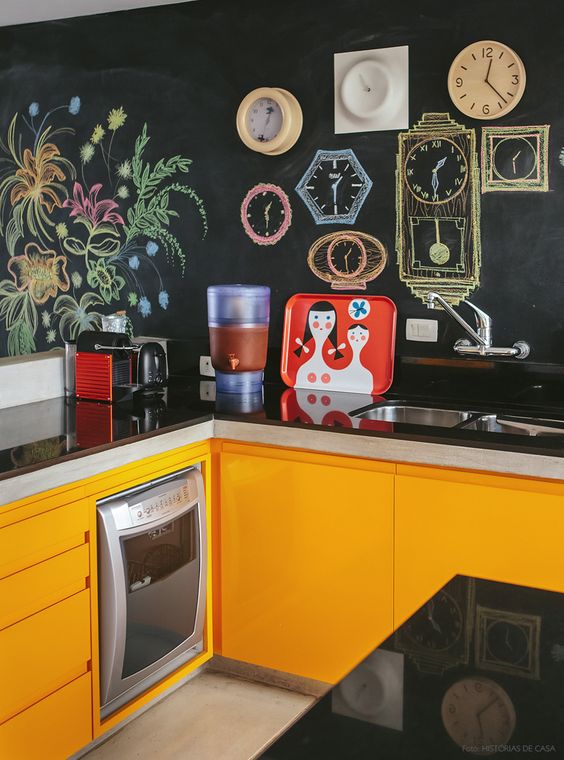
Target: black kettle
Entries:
(151, 367)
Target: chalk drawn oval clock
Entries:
(266, 214)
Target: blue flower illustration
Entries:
(151, 248)
(358, 309)
(74, 105)
(134, 262)
(33, 109)
(163, 299)
(144, 307)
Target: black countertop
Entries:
(79, 428)
(477, 671)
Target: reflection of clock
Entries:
(346, 256)
(507, 642)
(436, 170)
(515, 158)
(334, 186)
(486, 80)
(438, 625)
(348, 260)
(478, 714)
(438, 208)
(269, 120)
(266, 214)
(437, 636)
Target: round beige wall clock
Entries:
(486, 80)
(269, 120)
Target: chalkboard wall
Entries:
(182, 70)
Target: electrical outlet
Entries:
(206, 368)
(207, 390)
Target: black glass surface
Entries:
(478, 671)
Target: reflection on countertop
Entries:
(477, 671)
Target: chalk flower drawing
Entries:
(111, 224)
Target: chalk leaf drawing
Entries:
(80, 235)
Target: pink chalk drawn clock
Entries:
(266, 214)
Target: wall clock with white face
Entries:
(266, 214)
(269, 120)
(371, 90)
(334, 187)
(486, 80)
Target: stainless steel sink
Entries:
(498, 423)
(415, 415)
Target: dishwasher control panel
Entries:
(162, 505)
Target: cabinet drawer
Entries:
(43, 652)
(42, 585)
(53, 728)
(27, 542)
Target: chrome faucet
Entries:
(482, 335)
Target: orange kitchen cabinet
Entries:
(506, 529)
(52, 729)
(305, 559)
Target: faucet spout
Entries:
(483, 336)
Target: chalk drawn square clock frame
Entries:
(328, 159)
(527, 627)
(528, 153)
(390, 110)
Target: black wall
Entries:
(184, 70)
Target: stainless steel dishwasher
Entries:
(152, 583)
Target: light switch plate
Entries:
(422, 330)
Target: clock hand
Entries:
(430, 618)
(267, 214)
(364, 83)
(435, 176)
(515, 157)
(334, 188)
(346, 259)
(487, 81)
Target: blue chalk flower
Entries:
(163, 299)
(151, 248)
(74, 105)
(33, 109)
(134, 262)
(144, 307)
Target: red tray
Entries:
(339, 343)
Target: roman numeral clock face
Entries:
(486, 80)
(436, 171)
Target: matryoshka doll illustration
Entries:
(357, 373)
(321, 325)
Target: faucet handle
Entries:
(483, 322)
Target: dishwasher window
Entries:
(164, 557)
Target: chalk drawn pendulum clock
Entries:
(438, 208)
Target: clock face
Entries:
(266, 214)
(486, 80)
(507, 642)
(436, 170)
(478, 714)
(514, 158)
(264, 119)
(334, 187)
(437, 625)
(346, 256)
(366, 88)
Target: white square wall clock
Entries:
(372, 90)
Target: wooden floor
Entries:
(212, 717)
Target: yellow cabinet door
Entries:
(505, 529)
(306, 560)
(53, 728)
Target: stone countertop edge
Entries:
(401, 450)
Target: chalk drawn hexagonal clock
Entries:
(334, 187)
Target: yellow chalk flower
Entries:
(62, 230)
(116, 118)
(97, 134)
